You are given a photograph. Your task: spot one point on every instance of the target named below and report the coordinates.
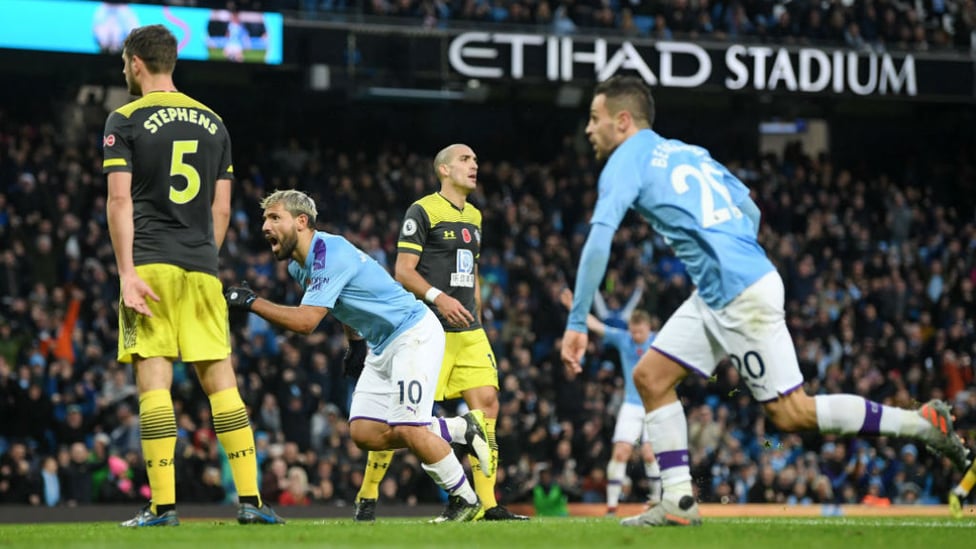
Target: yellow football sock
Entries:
(376, 465)
(485, 486)
(158, 433)
(234, 432)
(968, 480)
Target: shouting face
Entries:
(280, 229)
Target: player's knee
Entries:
(484, 399)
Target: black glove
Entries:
(240, 296)
(355, 358)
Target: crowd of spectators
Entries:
(864, 25)
(879, 273)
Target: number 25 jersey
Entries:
(692, 202)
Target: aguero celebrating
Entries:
(706, 216)
(394, 395)
(438, 248)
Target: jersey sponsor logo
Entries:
(249, 451)
(108, 140)
(466, 235)
(449, 235)
(464, 270)
(409, 227)
(316, 282)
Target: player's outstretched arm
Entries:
(302, 319)
(593, 323)
(593, 265)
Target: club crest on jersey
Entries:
(108, 140)
(466, 235)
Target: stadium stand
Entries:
(868, 25)
(880, 270)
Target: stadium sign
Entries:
(484, 55)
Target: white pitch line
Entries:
(845, 522)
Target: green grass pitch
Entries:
(566, 533)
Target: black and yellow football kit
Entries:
(176, 149)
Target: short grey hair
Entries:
(445, 156)
(295, 202)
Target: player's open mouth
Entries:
(273, 241)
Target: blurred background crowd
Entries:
(866, 25)
(879, 269)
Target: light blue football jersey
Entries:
(690, 200)
(630, 353)
(356, 289)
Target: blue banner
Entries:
(101, 28)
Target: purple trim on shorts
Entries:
(409, 423)
(614, 482)
(872, 418)
(674, 458)
(445, 434)
(681, 363)
(459, 484)
(367, 418)
(783, 394)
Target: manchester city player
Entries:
(706, 216)
(391, 406)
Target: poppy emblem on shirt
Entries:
(466, 235)
(108, 140)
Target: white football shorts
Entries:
(751, 330)
(397, 387)
(630, 424)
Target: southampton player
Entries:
(705, 214)
(168, 160)
(961, 491)
(438, 250)
(391, 405)
(631, 344)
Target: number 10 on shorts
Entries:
(412, 390)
